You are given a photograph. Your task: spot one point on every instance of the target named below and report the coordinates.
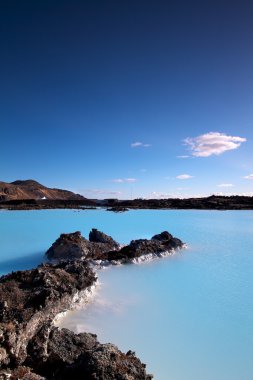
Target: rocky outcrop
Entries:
(101, 247)
(158, 245)
(31, 298)
(81, 356)
(96, 236)
(117, 209)
(32, 348)
(68, 247)
(74, 245)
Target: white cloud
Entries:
(124, 180)
(213, 143)
(139, 144)
(225, 185)
(244, 194)
(184, 156)
(100, 192)
(184, 176)
(160, 195)
(250, 176)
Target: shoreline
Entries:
(143, 259)
(32, 301)
(213, 202)
(80, 299)
(33, 345)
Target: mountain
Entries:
(31, 189)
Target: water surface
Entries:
(190, 316)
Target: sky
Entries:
(128, 99)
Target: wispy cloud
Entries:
(225, 185)
(250, 176)
(100, 192)
(184, 176)
(124, 180)
(138, 144)
(212, 143)
(160, 195)
(244, 194)
(183, 156)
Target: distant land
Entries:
(30, 189)
(31, 195)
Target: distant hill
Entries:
(31, 189)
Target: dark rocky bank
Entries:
(207, 203)
(31, 347)
(31, 195)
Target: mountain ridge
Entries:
(31, 189)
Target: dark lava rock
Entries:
(117, 209)
(74, 245)
(141, 247)
(69, 246)
(163, 236)
(168, 241)
(102, 247)
(31, 348)
(158, 244)
(21, 372)
(82, 357)
(33, 297)
(99, 237)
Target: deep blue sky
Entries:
(83, 80)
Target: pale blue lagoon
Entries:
(189, 316)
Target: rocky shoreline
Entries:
(214, 202)
(31, 346)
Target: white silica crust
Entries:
(79, 299)
(99, 264)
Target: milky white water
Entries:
(189, 316)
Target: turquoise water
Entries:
(190, 316)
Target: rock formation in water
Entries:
(102, 247)
(158, 244)
(32, 348)
(75, 246)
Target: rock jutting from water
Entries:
(101, 247)
(31, 346)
